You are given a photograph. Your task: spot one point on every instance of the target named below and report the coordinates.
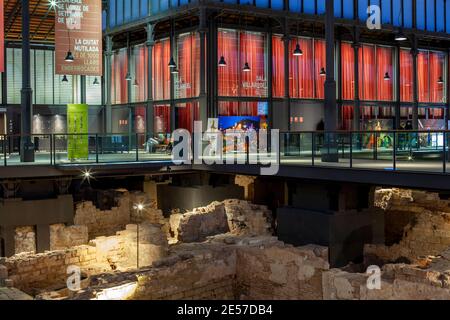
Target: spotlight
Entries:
(64, 79)
(96, 82)
(128, 77)
(175, 71)
(440, 80)
(69, 57)
(387, 77)
(246, 68)
(323, 73)
(400, 36)
(86, 174)
(139, 206)
(222, 62)
(298, 51)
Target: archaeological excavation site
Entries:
(223, 237)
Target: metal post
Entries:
(108, 83)
(26, 145)
(203, 98)
(331, 154)
(96, 148)
(351, 149)
(415, 115)
(394, 155)
(356, 110)
(287, 99)
(444, 155)
(313, 147)
(149, 125)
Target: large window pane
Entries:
(301, 69)
(348, 71)
(423, 76)
(278, 66)
(437, 77)
(385, 74)
(245, 73)
(161, 71)
(367, 72)
(119, 90)
(406, 76)
(139, 69)
(187, 81)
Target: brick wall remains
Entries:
(62, 237)
(224, 268)
(34, 272)
(25, 240)
(422, 219)
(108, 222)
(235, 216)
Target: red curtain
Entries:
(406, 76)
(118, 75)
(140, 67)
(252, 51)
(161, 118)
(186, 113)
(437, 62)
(278, 66)
(301, 69)
(319, 63)
(234, 108)
(347, 117)
(367, 71)
(228, 77)
(348, 71)
(385, 88)
(188, 79)
(423, 76)
(161, 71)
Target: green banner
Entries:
(77, 129)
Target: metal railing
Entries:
(374, 150)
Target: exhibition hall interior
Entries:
(224, 150)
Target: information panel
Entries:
(78, 33)
(77, 129)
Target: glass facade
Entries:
(430, 15)
(245, 73)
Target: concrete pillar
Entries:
(42, 238)
(26, 145)
(8, 237)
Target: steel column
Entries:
(26, 145)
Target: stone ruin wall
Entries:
(108, 222)
(225, 268)
(420, 221)
(234, 216)
(33, 272)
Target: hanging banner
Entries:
(77, 129)
(78, 33)
(2, 37)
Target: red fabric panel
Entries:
(119, 72)
(234, 108)
(188, 48)
(367, 71)
(406, 76)
(228, 77)
(437, 62)
(141, 68)
(423, 76)
(301, 68)
(278, 67)
(348, 71)
(385, 88)
(319, 63)
(347, 117)
(162, 118)
(252, 50)
(161, 71)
